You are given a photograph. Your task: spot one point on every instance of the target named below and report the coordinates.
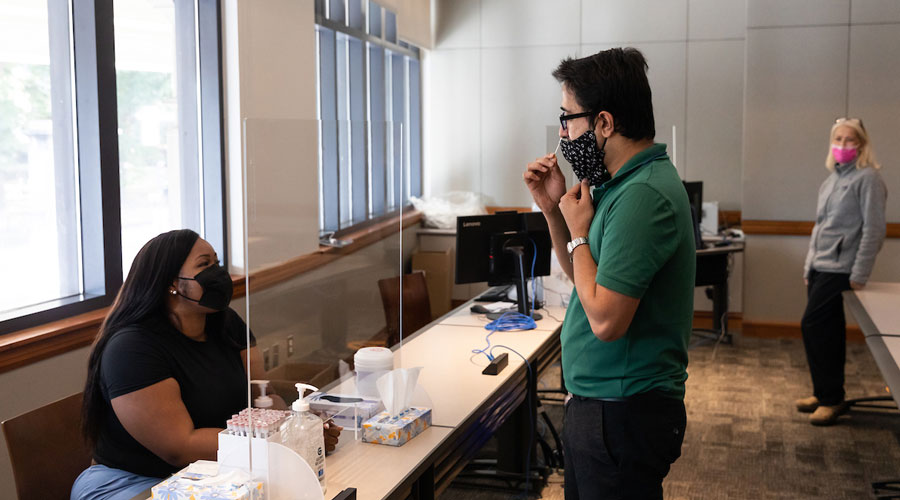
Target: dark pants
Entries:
(825, 335)
(621, 449)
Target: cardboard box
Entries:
(395, 431)
(282, 378)
(438, 268)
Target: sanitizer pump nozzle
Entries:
(262, 401)
(302, 404)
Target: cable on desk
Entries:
(513, 320)
(530, 415)
(548, 313)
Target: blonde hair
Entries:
(866, 157)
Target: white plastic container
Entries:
(371, 363)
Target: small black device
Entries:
(501, 249)
(497, 365)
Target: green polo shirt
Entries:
(642, 241)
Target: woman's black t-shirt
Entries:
(210, 375)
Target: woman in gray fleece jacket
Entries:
(850, 228)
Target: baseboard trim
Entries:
(788, 330)
(703, 319)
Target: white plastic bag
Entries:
(442, 211)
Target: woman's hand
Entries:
(546, 182)
(857, 286)
(578, 209)
(332, 432)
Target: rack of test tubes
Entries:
(257, 422)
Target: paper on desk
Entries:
(499, 306)
(396, 388)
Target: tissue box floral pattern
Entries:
(191, 486)
(395, 431)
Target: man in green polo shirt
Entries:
(625, 238)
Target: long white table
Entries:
(877, 310)
(467, 407)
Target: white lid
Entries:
(300, 405)
(374, 358)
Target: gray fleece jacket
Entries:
(850, 223)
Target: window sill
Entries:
(33, 344)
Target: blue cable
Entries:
(512, 320)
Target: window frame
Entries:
(373, 192)
(97, 151)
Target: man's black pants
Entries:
(621, 449)
(825, 335)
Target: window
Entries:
(102, 145)
(369, 101)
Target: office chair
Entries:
(416, 305)
(46, 449)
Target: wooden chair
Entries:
(416, 306)
(46, 449)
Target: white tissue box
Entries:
(202, 480)
(395, 431)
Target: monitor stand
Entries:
(523, 304)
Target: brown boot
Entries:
(827, 415)
(807, 405)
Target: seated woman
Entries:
(167, 370)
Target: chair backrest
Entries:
(46, 449)
(416, 306)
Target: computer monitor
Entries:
(695, 197)
(501, 249)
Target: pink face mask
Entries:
(843, 155)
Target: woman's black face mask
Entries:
(217, 287)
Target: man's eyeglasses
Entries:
(564, 117)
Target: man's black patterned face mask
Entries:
(586, 158)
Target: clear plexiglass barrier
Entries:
(324, 241)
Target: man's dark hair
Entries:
(614, 81)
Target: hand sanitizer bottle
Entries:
(305, 435)
(262, 401)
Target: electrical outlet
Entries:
(290, 346)
(275, 356)
(266, 360)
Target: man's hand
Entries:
(546, 182)
(857, 286)
(578, 209)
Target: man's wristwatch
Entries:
(572, 245)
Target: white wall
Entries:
(489, 96)
(271, 126)
(809, 62)
(752, 86)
